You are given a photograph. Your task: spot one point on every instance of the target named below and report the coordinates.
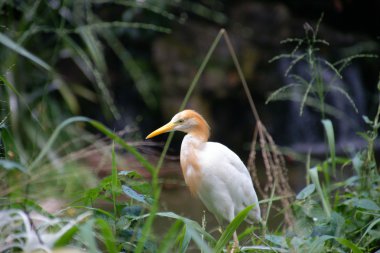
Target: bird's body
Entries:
(219, 178)
(212, 171)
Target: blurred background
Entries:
(129, 65)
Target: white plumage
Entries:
(225, 186)
(212, 171)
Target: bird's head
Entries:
(187, 121)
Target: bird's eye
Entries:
(180, 121)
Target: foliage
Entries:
(313, 87)
(334, 213)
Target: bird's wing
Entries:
(221, 151)
(228, 171)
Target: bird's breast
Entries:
(190, 165)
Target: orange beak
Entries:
(166, 128)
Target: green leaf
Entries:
(317, 246)
(357, 162)
(199, 241)
(185, 239)
(66, 238)
(22, 51)
(87, 236)
(194, 230)
(277, 240)
(367, 120)
(366, 204)
(314, 210)
(349, 244)
(325, 201)
(303, 227)
(231, 228)
(306, 192)
(133, 194)
(329, 130)
(129, 173)
(12, 165)
(108, 237)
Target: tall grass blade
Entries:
(87, 236)
(185, 239)
(201, 69)
(231, 228)
(94, 74)
(142, 80)
(26, 104)
(373, 223)
(170, 237)
(103, 129)
(325, 202)
(107, 235)
(114, 181)
(147, 6)
(6, 41)
(329, 130)
(270, 204)
(349, 244)
(193, 229)
(202, 245)
(241, 74)
(117, 24)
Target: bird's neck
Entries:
(189, 158)
(201, 131)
